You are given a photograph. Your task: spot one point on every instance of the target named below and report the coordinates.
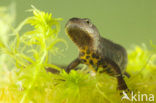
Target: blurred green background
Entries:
(126, 22)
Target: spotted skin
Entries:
(94, 60)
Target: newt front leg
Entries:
(73, 64)
(108, 65)
(116, 73)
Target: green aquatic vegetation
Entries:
(30, 50)
(5, 24)
(27, 81)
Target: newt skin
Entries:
(96, 51)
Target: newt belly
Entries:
(95, 62)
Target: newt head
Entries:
(83, 33)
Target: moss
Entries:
(29, 82)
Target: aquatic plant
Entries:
(27, 81)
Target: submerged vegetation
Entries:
(24, 79)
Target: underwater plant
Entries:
(27, 81)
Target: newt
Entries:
(96, 51)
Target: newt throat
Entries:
(80, 37)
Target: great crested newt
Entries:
(96, 51)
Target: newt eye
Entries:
(88, 22)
